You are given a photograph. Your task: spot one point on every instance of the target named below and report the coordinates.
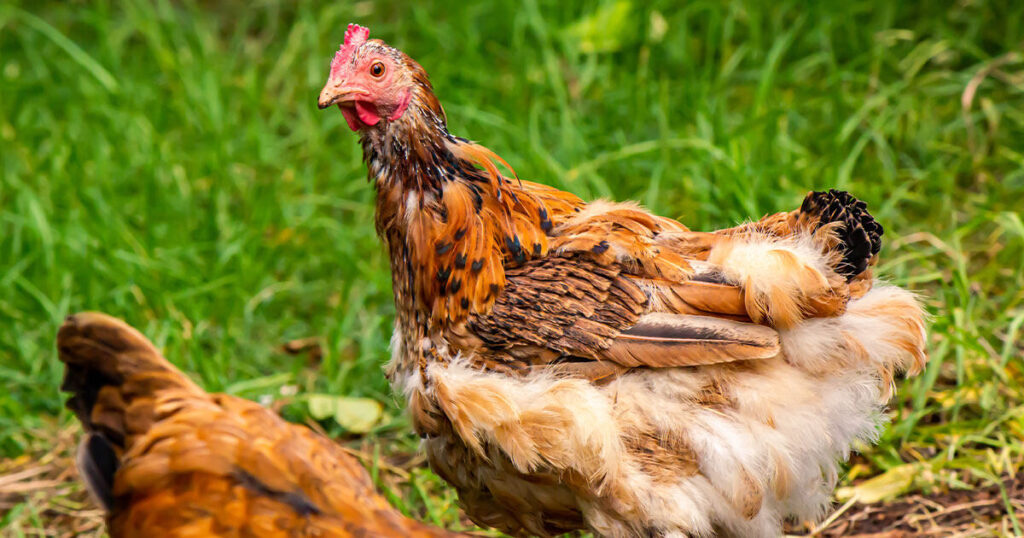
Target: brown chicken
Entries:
(591, 365)
(165, 458)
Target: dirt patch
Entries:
(40, 495)
(983, 511)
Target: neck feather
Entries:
(451, 219)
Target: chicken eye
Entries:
(377, 69)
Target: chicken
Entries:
(574, 365)
(164, 458)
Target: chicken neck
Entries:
(450, 219)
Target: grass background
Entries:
(165, 162)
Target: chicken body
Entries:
(165, 458)
(591, 365)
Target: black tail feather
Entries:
(97, 463)
(861, 234)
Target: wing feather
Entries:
(663, 340)
(571, 313)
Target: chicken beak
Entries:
(338, 93)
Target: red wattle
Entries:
(350, 117)
(367, 113)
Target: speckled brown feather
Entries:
(188, 463)
(580, 310)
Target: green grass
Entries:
(165, 162)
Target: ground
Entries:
(165, 162)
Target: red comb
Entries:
(355, 35)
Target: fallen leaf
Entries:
(310, 345)
(884, 486)
(357, 415)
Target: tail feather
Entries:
(859, 237)
(113, 374)
(97, 463)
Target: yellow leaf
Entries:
(357, 415)
(884, 486)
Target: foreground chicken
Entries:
(164, 458)
(591, 365)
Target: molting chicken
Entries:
(590, 365)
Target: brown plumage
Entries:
(591, 365)
(164, 458)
